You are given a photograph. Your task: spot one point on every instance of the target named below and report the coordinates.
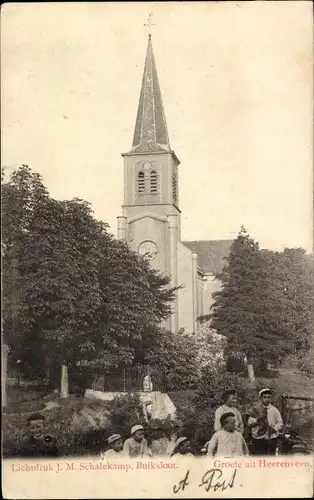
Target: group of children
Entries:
(264, 424)
(137, 446)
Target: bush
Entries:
(125, 412)
(306, 363)
(157, 428)
(210, 349)
(92, 442)
(194, 424)
(235, 363)
(211, 387)
(178, 370)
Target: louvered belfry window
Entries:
(141, 182)
(153, 181)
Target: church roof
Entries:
(211, 254)
(150, 134)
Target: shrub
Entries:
(210, 348)
(91, 442)
(156, 428)
(235, 363)
(211, 387)
(306, 365)
(305, 361)
(125, 412)
(194, 424)
(178, 369)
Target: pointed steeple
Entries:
(150, 134)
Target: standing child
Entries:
(227, 442)
(266, 422)
(229, 405)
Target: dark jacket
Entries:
(44, 447)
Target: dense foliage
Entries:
(171, 358)
(74, 295)
(71, 292)
(197, 415)
(264, 306)
(125, 412)
(210, 350)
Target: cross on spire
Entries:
(149, 24)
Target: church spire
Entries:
(150, 134)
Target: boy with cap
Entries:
(227, 442)
(230, 400)
(265, 422)
(115, 443)
(136, 445)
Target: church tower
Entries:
(150, 223)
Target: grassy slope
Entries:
(294, 382)
(68, 421)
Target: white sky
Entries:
(236, 80)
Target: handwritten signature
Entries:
(212, 480)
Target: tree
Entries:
(264, 306)
(171, 358)
(306, 356)
(233, 313)
(52, 259)
(72, 293)
(176, 360)
(135, 299)
(19, 196)
(287, 300)
(297, 288)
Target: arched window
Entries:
(174, 186)
(140, 182)
(153, 181)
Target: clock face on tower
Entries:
(148, 250)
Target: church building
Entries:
(151, 217)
